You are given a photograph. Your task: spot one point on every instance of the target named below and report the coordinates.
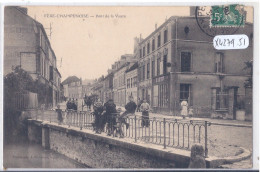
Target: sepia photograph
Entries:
(128, 87)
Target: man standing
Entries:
(98, 109)
(59, 112)
(145, 107)
(110, 113)
(130, 109)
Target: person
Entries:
(145, 107)
(76, 104)
(69, 104)
(89, 102)
(110, 114)
(73, 105)
(184, 109)
(98, 109)
(59, 111)
(139, 104)
(130, 109)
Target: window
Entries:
(185, 61)
(158, 66)
(140, 51)
(165, 35)
(131, 83)
(143, 51)
(219, 63)
(153, 45)
(219, 100)
(135, 81)
(148, 70)
(153, 65)
(128, 83)
(148, 48)
(155, 95)
(163, 95)
(51, 73)
(185, 93)
(140, 73)
(164, 64)
(143, 72)
(159, 41)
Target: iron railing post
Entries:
(81, 120)
(206, 139)
(135, 128)
(164, 133)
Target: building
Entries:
(26, 44)
(98, 88)
(108, 87)
(155, 54)
(131, 82)
(86, 87)
(72, 88)
(178, 62)
(119, 88)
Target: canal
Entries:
(29, 155)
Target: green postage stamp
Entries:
(227, 16)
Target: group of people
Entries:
(88, 101)
(107, 115)
(72, 104)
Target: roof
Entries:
(172, 18)
(70, 79)
(133, 67)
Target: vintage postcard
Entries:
(129, 87)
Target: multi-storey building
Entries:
(108, 87)
(119, 89)
(179, 62)
(26, 44)
(72, 87)
(131, 82)
(97, 88)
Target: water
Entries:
(26, 155)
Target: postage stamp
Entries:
(220, 20)
(227, 15)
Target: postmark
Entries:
(204, 19)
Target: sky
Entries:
(87, 46)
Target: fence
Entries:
(26, 100)
(177, 133)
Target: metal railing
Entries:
(177, 133)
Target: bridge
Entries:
(165, 143)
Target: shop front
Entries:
(161, 93)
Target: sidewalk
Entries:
(213, 121)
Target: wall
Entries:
(20, 36)
(100, 151)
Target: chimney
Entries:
(140, 37)
(155, 26)
(192, 10)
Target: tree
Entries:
(19, 81)
(249, 66)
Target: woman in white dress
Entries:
(184, 108)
